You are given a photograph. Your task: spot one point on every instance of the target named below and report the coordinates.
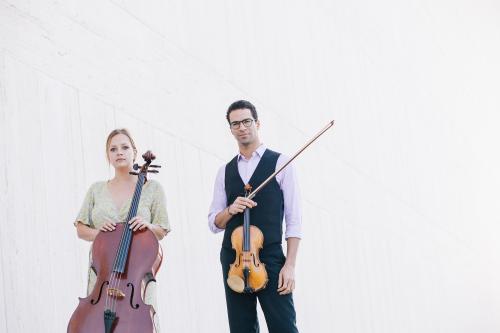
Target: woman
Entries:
(108, 203)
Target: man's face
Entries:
(244, 135)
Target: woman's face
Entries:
(120, 152)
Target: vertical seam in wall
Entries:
(3, 121)
(81, 131)
(45, 241)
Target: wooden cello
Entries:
(121, 259)
(247, 274)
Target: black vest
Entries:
(268, 214)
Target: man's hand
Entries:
(239, 205)
(286, 280)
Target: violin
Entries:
(121, 260)
(247, 274)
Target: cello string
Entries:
(119, 274)
(113, 278)
(114, 281)
(132, 211)
(126, 240)
(116, 276)
(120, 259)
(128, 232)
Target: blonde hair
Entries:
(123, 131)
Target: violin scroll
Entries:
(248, 189)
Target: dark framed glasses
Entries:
(246, 122)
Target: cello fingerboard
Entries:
(123, 248)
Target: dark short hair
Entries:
(241, 105)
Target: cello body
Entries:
(133, 315)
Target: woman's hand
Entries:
(108, 226)
(137, 223)
(85, 232)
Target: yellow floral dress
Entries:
(98, 208)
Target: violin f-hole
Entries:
(255, 261)
(238, 262)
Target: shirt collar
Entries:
(259, 151)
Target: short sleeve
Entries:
(84, 216)
(159, 209)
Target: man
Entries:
(279, 199)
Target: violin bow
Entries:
(264, 183)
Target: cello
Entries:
(121, 259)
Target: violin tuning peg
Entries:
(134, 173)
(153, 171)
(136, 166)
(155, 166)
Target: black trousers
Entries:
(242, 308)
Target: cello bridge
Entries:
(116, 293)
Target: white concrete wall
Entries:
(400, 200)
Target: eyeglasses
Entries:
(246, 122)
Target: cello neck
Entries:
(137, 196)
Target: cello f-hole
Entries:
(100, 293)
(136, 306)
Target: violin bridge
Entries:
(116, 293)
